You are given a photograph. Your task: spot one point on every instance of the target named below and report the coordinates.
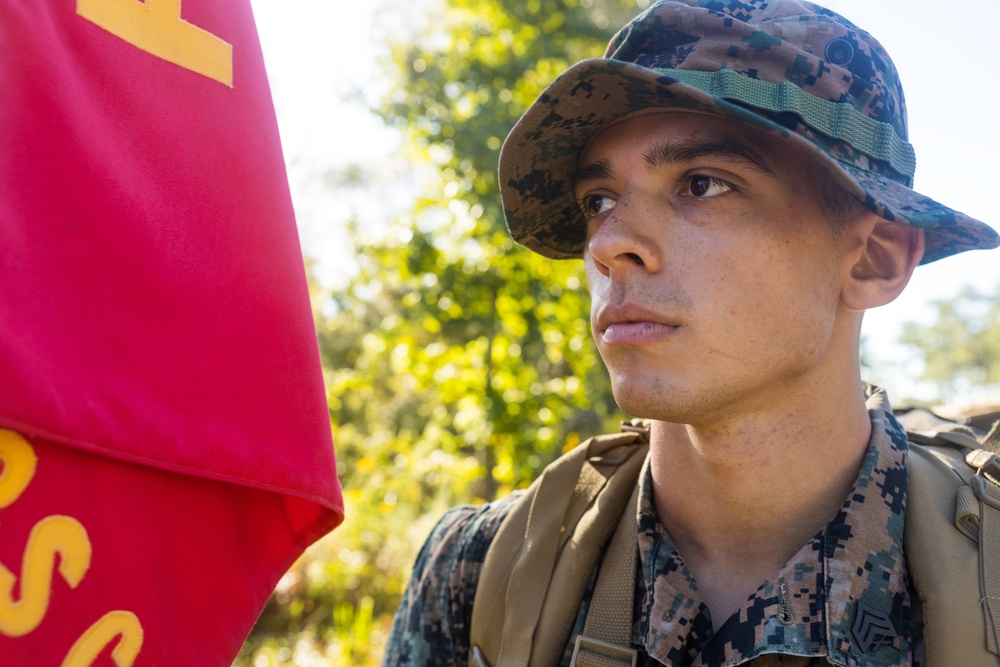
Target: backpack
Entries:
(952, 534)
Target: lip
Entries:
(631, 325)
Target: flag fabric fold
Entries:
(164, 437)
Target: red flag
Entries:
(164, 438)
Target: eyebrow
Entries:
(670, 153)
(595, 171)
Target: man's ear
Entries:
(883, 267)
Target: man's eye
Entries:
(708, 186)
(594, 205)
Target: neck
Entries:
(740, 497)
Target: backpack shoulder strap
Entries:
(537, 567)
(952, 535)
(606, 640)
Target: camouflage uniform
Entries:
(815, 80)
(804, 614)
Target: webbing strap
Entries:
(837, 120)
(992, 440)
(533, 567)
(534, 574)
(607, 634)
(583, 552)
(989, 543)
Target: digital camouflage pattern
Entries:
(789, 67)
(803, 615)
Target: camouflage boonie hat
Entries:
(788, 67)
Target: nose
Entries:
(622, 241)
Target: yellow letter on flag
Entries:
(156, 26)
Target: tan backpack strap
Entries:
(992, 439)
(984, 485)
(989, 545)
(949, 489)
(607, 635)
(551, 541)
(509, 556)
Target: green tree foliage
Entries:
(457, 363)
(961, 347)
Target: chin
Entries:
(649, 399)
(658, 399)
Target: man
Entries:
(736, 177)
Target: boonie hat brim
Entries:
(539, 159)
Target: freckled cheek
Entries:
(743, 303)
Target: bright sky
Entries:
(321, 52)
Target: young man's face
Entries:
(714, 271)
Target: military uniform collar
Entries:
(844, 596)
